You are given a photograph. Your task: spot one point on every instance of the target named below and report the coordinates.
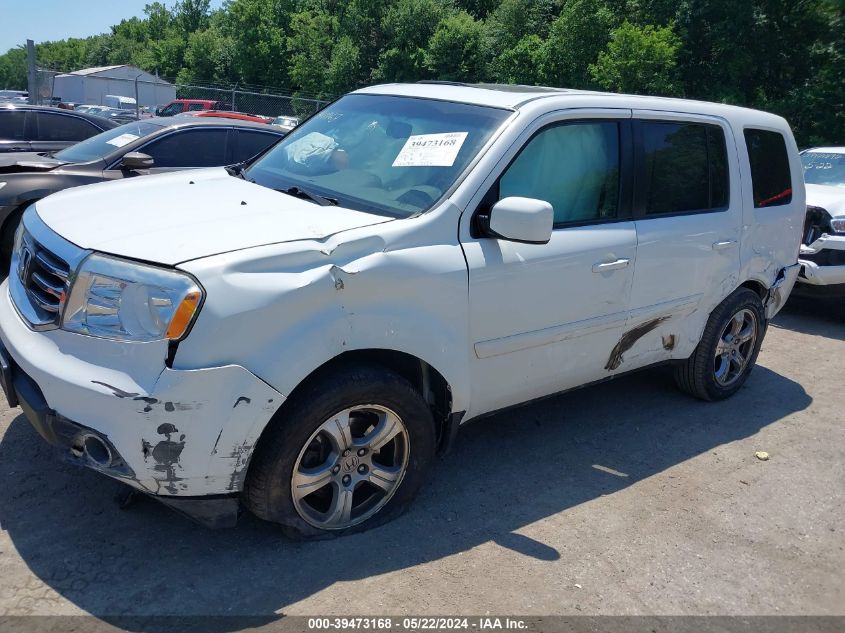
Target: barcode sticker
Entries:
(431, 150)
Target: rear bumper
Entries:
(780, 290)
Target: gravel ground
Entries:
(625, 498)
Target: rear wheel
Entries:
(728, 348)
(346, 454)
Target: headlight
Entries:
(117, 299)
(838, 225)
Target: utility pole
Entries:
(137, 100)
(32, 79)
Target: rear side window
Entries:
(189, 148)
(574, 166)
(12, 125)
(252, 143)
(685, 167)
(192, 107)
(770, 176)
(61, 127)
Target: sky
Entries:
(44, 20)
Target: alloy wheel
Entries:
(350, 467)
(735, 347)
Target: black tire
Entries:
(267, 490)
(7, 241)
(696, 376)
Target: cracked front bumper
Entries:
(177, 432)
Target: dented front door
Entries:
(544, 317)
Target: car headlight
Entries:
(118, 299)
(838, 225)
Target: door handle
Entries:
(720, 246)
(603, 267)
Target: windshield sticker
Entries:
(431, 150)
(123, 139)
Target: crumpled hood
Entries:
(176, 217)
(831, 199)
(26, 161)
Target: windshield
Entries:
(104, 144)
(821, 168)
(382, 154)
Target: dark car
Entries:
(26, 128)
(141, 147)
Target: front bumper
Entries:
(173, 432)
(823, 261)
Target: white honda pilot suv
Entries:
(302, 334)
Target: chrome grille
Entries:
(44, 276)
(42, 273)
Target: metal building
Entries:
(92, 85)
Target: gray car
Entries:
(141, 147)
(26, 128)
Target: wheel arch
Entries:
(426, 378)
(17, 209)
(756, 286)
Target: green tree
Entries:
(191, 15)
(13, 69)
(575, 40)
(456, 51)
(310, 48)
(514, 20)
(259, 30)
(639, 60)
(207, 57)
(520, 64)
(408, 25)
(344, 71)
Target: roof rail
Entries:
(443, 82)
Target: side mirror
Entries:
(526, 220)
(136, 160)
(158, 111)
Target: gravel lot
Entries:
(625, 498)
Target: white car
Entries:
(304, 334)
(822, 254)
(286, 122)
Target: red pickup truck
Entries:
(178, 106)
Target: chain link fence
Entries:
(261, 100)
(251, 101)
(42, 93)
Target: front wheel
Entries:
(348, 453)
(728, 349)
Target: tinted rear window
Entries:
(189, 148)
(63, 127)
(770, 176)
(686, 167)
(252, 143)
(12, 125)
